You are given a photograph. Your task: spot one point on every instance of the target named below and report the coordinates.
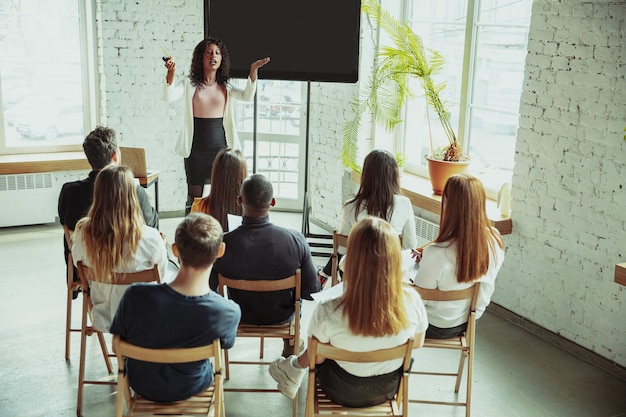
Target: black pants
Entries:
(354, 391)
(434, 332)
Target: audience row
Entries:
(375, 310)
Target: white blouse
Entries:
(402, 220)
(106, 297)
(329, 325)
(437, 269)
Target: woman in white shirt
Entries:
(379, 195)
(209, 119)
(374, 312)
(114, 237)
(467, 250)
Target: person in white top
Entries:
(209, 118)
(379, 195)
(114, 237)
(467, 250)
(374, 312)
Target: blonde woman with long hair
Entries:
(374, 312)
(229, 171)
(114, 237)
(467, 250)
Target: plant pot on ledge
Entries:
(439, 172)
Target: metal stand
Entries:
(306, 209)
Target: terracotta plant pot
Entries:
(440, 171)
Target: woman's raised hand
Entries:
(170, 64)
(256, 65)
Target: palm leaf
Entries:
(389, 88)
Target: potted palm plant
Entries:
(389, 90)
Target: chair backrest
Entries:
(435, 294)
(119, 278)
(329, 351)
(212, 351)
(263, 285)
(124, 349)
(470, 293)
(339, 240)
(135, 159)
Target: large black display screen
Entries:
(307, 40)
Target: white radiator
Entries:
(27, 199)
(425, 230)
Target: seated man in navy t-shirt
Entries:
(182, 314)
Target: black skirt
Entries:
(209, 138)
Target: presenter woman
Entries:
(209, 118)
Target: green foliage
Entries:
(389, 90)
(400, 159)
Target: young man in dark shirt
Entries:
(185, 313)
(261, 250)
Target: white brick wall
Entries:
(569, 184)
(133, 75)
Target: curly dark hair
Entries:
(196, 71)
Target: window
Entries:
(44, 89)
(279, 139)
(484, 45)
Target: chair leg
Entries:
(68, 320)
(459, 373)
(295, 406)
(470, 368)
(262, 347)
(81, 372)
(105, 351)
(226, 365)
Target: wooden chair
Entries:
(72, 285)
(317, 404)
(207, 403)
(86, 275)
(463, 343)
(339, 240)
(289, 330)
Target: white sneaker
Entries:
(288, 375)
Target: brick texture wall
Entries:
(132, 77)
(569, 183)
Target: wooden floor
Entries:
(516, 373)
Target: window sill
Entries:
(620, 273)
(419, 191)
(43, 162)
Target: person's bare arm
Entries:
(254, 67)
